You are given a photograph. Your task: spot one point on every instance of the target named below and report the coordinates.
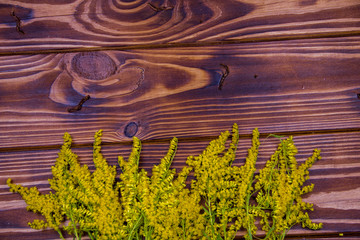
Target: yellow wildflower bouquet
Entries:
(221, 200)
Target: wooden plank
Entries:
(336, 177)
(65, 24)
(299, 86)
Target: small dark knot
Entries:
(131, 129)
(79, 106)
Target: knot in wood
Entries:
(93, 65)
(131, 129)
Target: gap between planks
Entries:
(191, 44)
(185, 139)
(346, 235)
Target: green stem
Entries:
(74, 226)
(211, 217)
(90, 235)
(183, 228)
(224, 226)
(247, 216)
(61, 236)
(269, 232)
(136, 225)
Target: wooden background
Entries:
(293, 70)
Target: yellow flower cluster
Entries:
(88, 200)
(221, 200)
(279, 187)
(46, 205)
(226, 189)
(159, 207)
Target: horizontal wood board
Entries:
(336, 177)
(73, 24)
(297, 86)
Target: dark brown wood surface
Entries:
(303, 85)
(69, 24)
(294, 69)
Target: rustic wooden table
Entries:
(160, 70)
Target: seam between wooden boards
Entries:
(184, 139)
(320, 235)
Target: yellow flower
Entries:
(162, 207)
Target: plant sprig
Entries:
(221, 200)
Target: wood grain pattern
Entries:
(337, 174)
(70, 24)
(305, 85)
(152, 70)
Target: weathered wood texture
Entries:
(305, 85)
(67, 24)
(168, 85)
